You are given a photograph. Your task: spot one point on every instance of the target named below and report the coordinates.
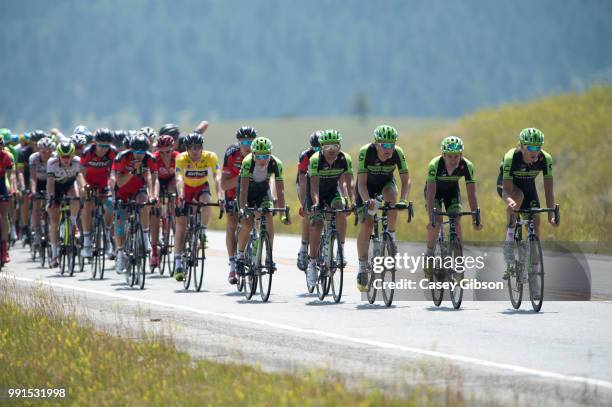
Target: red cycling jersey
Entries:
(6, 162)
(124, 163)
(232, 162)
(97, 169)
(165, 172)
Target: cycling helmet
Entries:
(531, 137)
(78, 139)
(261, 145)
(165, 141)
(139, 142)
(330, 137)
(314, 139)
(148, 132)
(25, 138)
(193, 139)
(38, 135)
(170, 129)
(452, 144)
(81, 130)
(103, 135)
(15, 138)
(65, 149)
(385, 133)
(246, 132)
(45, 143)
(119, 137)
(5, 134)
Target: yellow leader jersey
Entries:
(196, 174)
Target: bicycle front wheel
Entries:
(388, 273)
(63, 246)
(535, 264)
(199, 255)
(515, 280)
(456, 294)
(437, 275)
(322, 266)
(266, 267)
(374, 252)
(187, 261)
(336, 268)
(140, 258)
(250, 267)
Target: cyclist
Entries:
(172, 130)
(303, 192)
(63, 173)
(132, 179)
(26, 149)
(192, 169)
(10, 146)
(38, 178)
(442, 188)
(232, 163)
(6, 173)
(165, 158)
(330, 173)
(254, 191)
(516, 183)
(96, 163)
(377, 162)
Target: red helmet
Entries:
(165, 141)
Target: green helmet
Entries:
(531, 137)
(385, 133)
(330, 137)
(261, 145)
(6, 135)
(452, 144)
(65, 149)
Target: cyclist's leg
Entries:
(75, 205)
(54, 214)
(25, 212)
(230, 227)
(338, 202)
(389, 193)
(204, 196)
(4, 221)
(86, 221)
(365, 229)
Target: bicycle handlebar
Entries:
(533, 211)
(389, 207)
(203, 204)
(475, 214)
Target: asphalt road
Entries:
(562, 355)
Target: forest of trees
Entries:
(151, 61)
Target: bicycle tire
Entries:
(515, 284)
(322, 284)
(536, 278)
(250, 276)
(187, 260)
(456, 250)
(372, 291)
(337, 269)
(437, 276)
(199, 255)
(265, 277)
(388, 275)
(100, 248)
(140, 257)
(63, 247)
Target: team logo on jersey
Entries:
(196, 173)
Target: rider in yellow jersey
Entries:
(193, 168)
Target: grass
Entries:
(44, 345)
(578, 129)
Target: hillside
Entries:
(578, 129)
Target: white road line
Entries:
(424, 352)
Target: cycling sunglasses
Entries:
(534, 149)
(387, 146)
(103, 145)
(246, 143)
(330, 147)
(140, 151)
(262, 157)
(164, 151)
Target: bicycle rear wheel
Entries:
(388, 274)
(265, 267)
(515, 281)
(199, 257)
(535, 274)
(456, 251)
(374, 252)
(337, 268)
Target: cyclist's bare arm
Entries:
(280, 189)
(50, 186)
(314, 190)
(112, 181)
(506, 193)
(244, 191)
(362, 187)
(549, 192)
(218, 189)
(229, 182)
(303, 188)
(406, 182)
(201, 128)
(431, 196)
(471, 193)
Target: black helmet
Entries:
(170, 129)
(193, 139)
(119, 137)
(38, 135)
(314, 139)
(103, 135)
(246, 132)
(139, 142)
